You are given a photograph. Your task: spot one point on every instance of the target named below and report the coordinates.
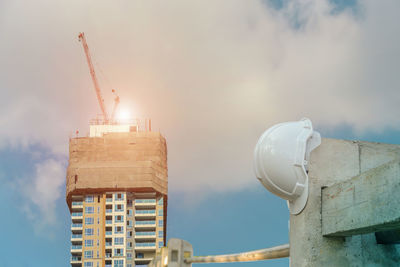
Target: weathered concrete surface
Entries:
(366, 203)
(174, 254)
(332, 162)
(132, 161)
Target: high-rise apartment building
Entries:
(117, 196)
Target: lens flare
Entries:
(124, 115)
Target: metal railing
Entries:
(145, 212)
(76, 258)
(145, 244)
(144, 222)
(76, 236)
(145, 233)
(147, 201)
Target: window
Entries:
(118, 252)
(97, 255)
(119, 196)
(160, 212)
(129, 223)
(129, 256)
(118, 263)
(118, 229)
(88, 264)
(89, 210)
(129, 212)
(97, 242)
(98, 231)
(89, 220)
(129, 234)
(89, 231)
(161, 201)
(118, 240)
(98, 199)
(160, 244)
(160, 233)
(139, 255)
(160, 223)
(89, 199)
(130, 244)
(88, 243)
(119, 207)
(119, 218)
(89, 254)
(129, 265)
(98, 220)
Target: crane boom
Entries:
(116, 102)
(94, 77)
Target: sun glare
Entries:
(124, 115)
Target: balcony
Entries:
(145, 246)
(77, 204)
(108, 233)
(109, 200)
(76, 248)
(76, 259)
(76, 215)
(145, 224)
(76, 237)
(145, 235)
(145, 202)
(108, 244)
(108, 221)
(108, 211)
(76, 226)
(145, 213)
(108, 255)
(142, 260)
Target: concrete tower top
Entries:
(117, 158)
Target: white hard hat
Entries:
(281, 156)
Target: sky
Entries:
(212, 75)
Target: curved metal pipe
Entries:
(255, 255)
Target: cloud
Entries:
(41, 192)
(212, 75)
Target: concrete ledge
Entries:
(364, 204)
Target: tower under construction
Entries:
(117, 195)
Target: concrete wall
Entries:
(332, 162)
(133, 161)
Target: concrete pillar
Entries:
(336, 161)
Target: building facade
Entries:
(117, 195)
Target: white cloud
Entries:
(40, 193)
(211, 74)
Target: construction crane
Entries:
(100, 99)
(116, 102)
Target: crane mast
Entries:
(116, 102)
(94, 77)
